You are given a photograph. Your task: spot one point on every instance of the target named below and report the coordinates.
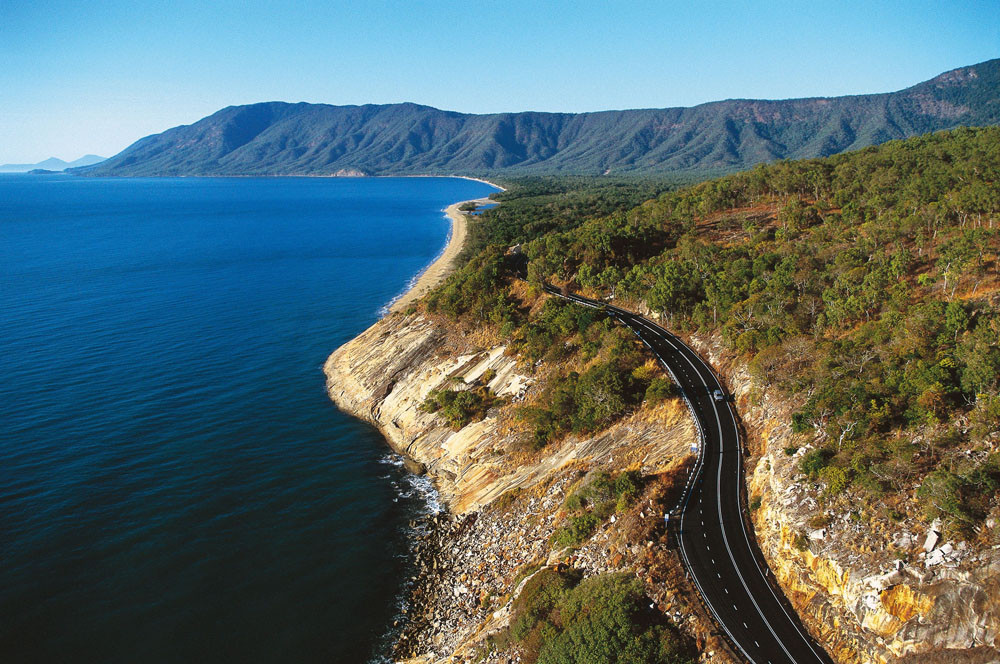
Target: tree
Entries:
(599, 398)
(677, 287)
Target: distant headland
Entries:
(52, 165)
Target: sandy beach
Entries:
(445, 263)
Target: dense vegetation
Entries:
(317, 139)
(460, 407)
(534, 206)
(615, 380)
(598, 496)
(864, 286)
(558, 619)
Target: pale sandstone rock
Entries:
(384, 375)
(947, 612)
(931, 541)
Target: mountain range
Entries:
(52, 164)
(277, 138)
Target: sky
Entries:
(93, 76)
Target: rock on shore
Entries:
(470, 559)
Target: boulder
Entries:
(933, 537)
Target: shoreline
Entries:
(442, 266)
(274, 175)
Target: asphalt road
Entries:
(718, 550)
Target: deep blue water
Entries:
(175, 485)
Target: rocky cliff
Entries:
(504, 503)
(387, 372)
(872, 587)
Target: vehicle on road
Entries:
(718, 395)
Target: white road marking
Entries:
(725, 538)
(658, 332)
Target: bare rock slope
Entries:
(873, 589)
(474, 559)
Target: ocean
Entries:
(175, 485)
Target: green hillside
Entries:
(316, 139)
(863, 288)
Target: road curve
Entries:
(715, 544)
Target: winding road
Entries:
(713, 537)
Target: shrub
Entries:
(578, 529)
(800, 423)
(627, 485)
(836, 479)
(460, 407)
(574, 502)
(819, 521)
(660, 389)
(815, 460)
(600, 398)
(538, 599)
(605, 619)
(507, 499)
(601, 494)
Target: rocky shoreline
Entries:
(502, 511)
(503, 506)
(469, 568)
(432, 533)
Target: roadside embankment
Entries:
(873, 588)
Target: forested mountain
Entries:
(317, 139)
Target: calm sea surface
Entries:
(175, 485)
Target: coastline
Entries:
(444, 264)
(469, 560)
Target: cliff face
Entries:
(386, 373)
(872, 589)
(473, 561)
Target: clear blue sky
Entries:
(80, 76)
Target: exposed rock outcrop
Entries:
(872, 591)
(865, 585)
(471, 561)
(387, 372)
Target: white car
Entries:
(718, 395)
